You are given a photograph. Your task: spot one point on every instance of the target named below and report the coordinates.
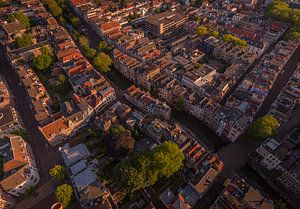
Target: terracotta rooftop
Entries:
(56, 127)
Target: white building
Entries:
(269, 160)
(20, 170)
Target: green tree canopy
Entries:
(128, 176)
(58, 172)
(144, 169)
(228, 38)
(90, 52)
(30, 191)
(44, 60)
(64, 194)
(202, 30)
(53, 7)
(293, 34)
(279, 204)
(215, 34)
(198, 2)
(104, 47)
(76, 22)
(24, 40)
(117, 129)
(167, 158)
(20, 17)
(62, 78)
(264, 127)
(198, 19)
(102, 61)
(83, 42)
(280, 10)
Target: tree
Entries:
(53, 7)
(102, 61)
(144, 169)
(104, 47)
(167, 158)
(198, 19)
(128, 177)
(30, 191)
(228, 38)
(64, 194)
(44, 60)
(136, 133)
(202, 30)
(136, 173)
(215, 34)
(144, 163)
(61, 78)
(20, 17)
(280, 10)
(118, 129)
(22, 133)
(264, 127)
(90, 52)
(279, 204)
(123, 3)
(75, 21)
(198, 2)
(24, 40)
(83, 42)
(157, 10)
(293, 34)
(58, 172)
(122, 142)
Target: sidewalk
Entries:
(43, 192)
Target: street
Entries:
(45, 157)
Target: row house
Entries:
(196, 77)
(9, 118)
(37, 93)
(202, 166)
(232, 54)
(277, 161)
(255, 41)
(253, 90)
(284, 105)
(168, 89)
(145, 74)
(19, 166)
(239, 194)
(134, 70)
(146, 103)
(126, 65)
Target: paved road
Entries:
(46, 157)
